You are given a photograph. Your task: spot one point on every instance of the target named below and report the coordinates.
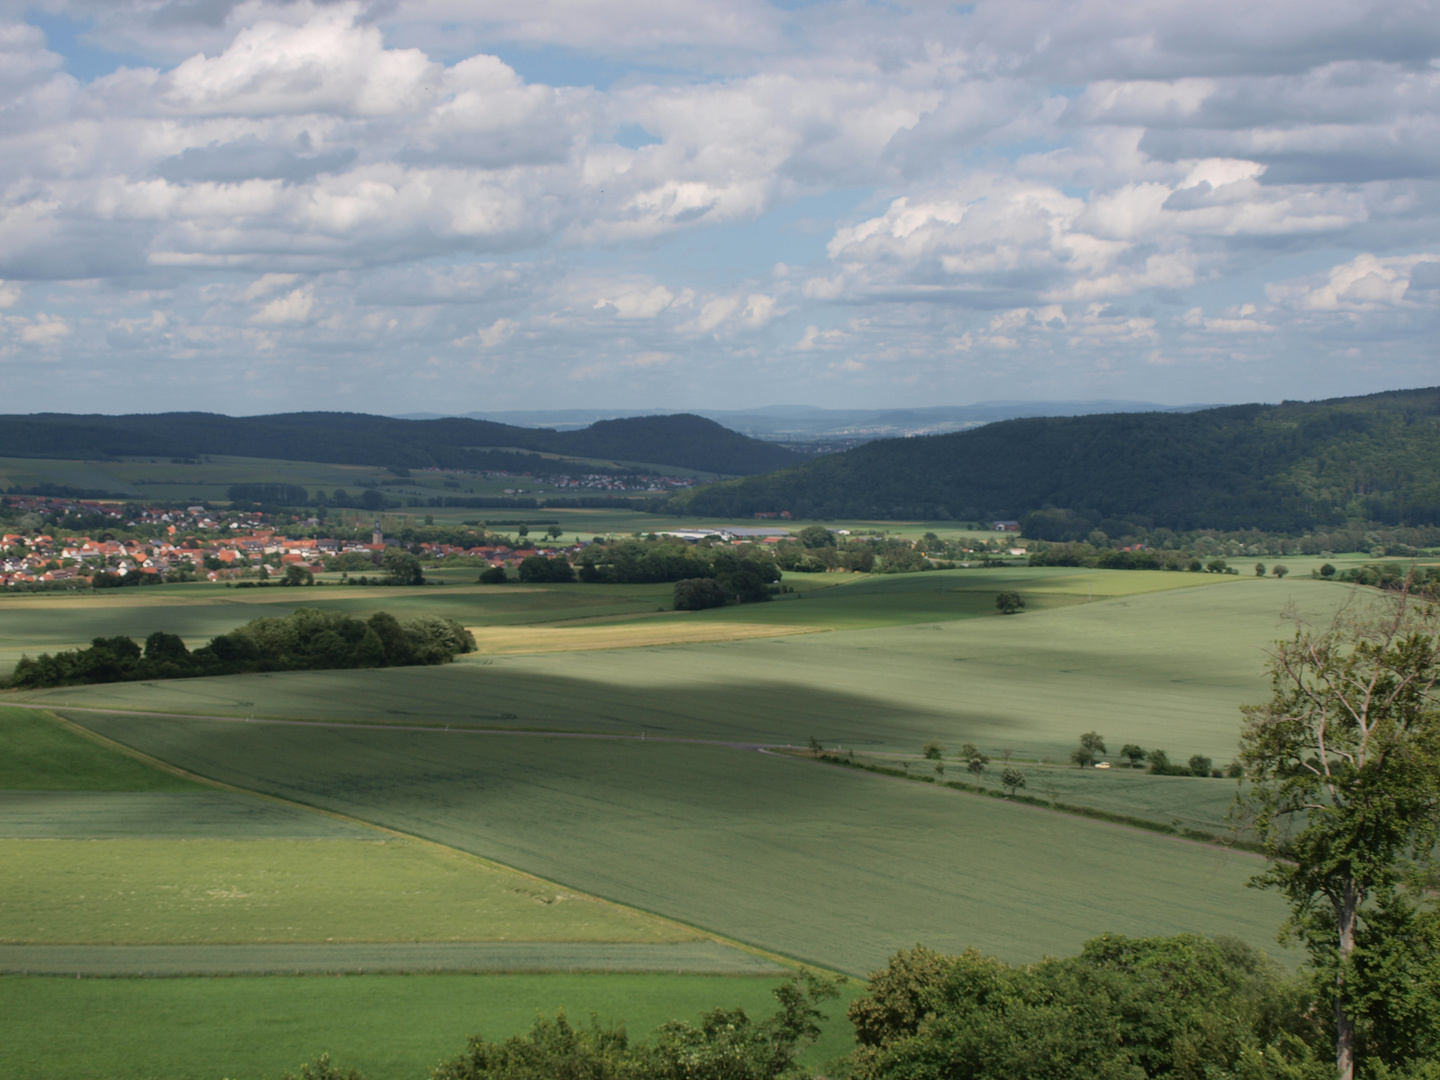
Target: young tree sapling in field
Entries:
(1012, 779)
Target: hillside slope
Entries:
(1282, 467)
(683, 441)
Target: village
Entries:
(197, 543)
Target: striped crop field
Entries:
(831, 866)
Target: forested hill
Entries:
(1276, 467)
(684, 441)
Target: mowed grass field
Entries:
(389, 1027)
(832, 866)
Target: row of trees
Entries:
(1092, 748)
(305, 640)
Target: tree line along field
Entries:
(814, 862)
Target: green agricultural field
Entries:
(141, 891)
(102, 848)
(1167, 669)
(388, 1027)
(831, 866)
(1180, 802)
(202, 813)
(39, 755)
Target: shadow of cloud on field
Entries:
(768, 711)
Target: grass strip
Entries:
(688, 958)
(389, 1027)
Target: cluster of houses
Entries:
(44, 558)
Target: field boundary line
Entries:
(1084, 815)
(360, 725)
(492, 864)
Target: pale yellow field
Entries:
(511, 640)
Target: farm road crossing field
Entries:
(1167, 669)
(832, 866)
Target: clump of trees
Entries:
(726, 1044)
(1089, 751)
(540, 570)
(697, 594)
(1124, 1008)
(305, 640)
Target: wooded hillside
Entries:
(682, 440)
(1286, 467)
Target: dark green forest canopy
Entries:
(683, 441)
(1282, 468)
(304, 640)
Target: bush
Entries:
(696, 594)
(1009, 602)
(494, 575)
(1199, 765)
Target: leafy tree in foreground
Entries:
(933, 750)
(1124, 1009)
(1134, 754)
(1009, 602)
(1345, 767)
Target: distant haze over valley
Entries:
(809, 427)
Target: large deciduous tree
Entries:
(1344, 761)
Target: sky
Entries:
(388, 206)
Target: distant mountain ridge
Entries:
(683, 441)
(801, 424)
(1282, 467)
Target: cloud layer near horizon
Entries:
(369, 206)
